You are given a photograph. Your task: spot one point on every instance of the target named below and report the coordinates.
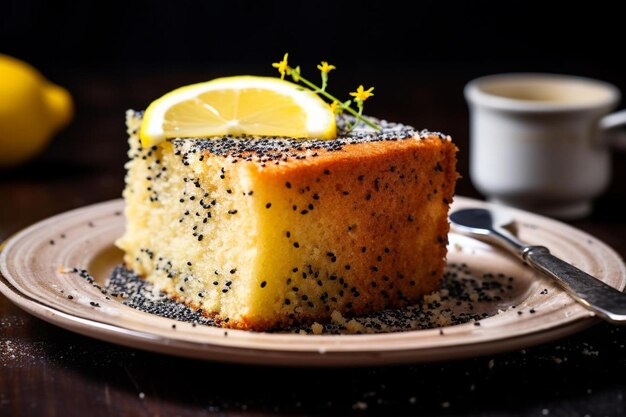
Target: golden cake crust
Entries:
(368, 177)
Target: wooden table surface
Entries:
(45, 370)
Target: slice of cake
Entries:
(267, 232)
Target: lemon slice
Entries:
(243, 105)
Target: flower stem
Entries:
(333, 98)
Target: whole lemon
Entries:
(32, 110)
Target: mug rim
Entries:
(475, 95)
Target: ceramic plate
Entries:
(31, 265)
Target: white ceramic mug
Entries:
(542, 142)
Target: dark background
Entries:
(117, 55)
(385, 43)
(446, 35)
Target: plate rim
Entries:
(208, 350)
(284, 358)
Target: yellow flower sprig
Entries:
(325, 68)
(338, 106)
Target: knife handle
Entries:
(597, 296)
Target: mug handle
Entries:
(613, 135)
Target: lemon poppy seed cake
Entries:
(248, 199)
(266, 232)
